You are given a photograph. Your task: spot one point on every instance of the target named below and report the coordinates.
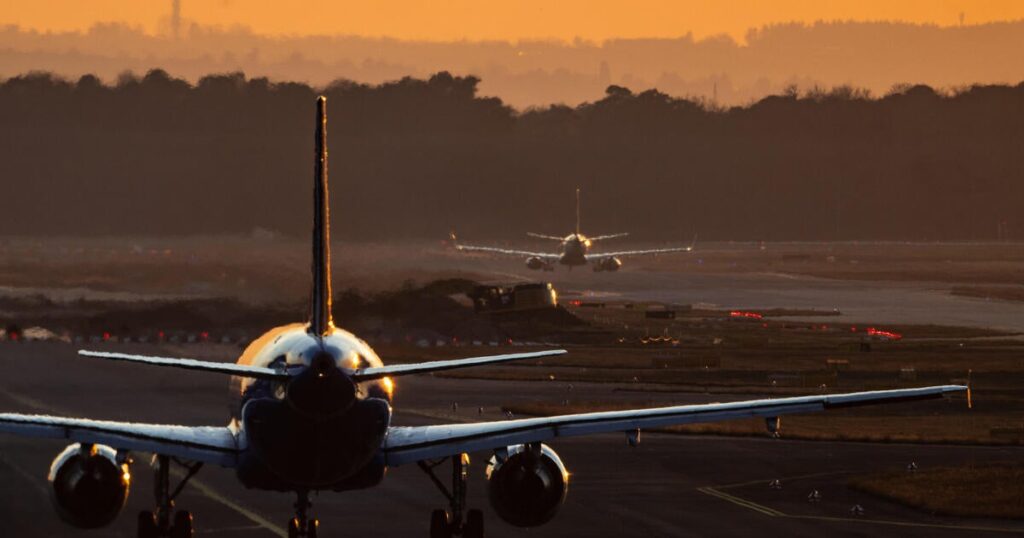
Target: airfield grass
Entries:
(992, 491)
(1003, 293)
(713, 355)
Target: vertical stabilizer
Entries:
(577, 210)
(320, 320)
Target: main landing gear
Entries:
(456, 521)
(165, 522)
(300, 525)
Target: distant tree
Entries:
(617, 91)
(413, 157)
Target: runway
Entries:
(877, 302)
(676, 486)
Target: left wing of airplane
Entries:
(406, 444)
(208, 444)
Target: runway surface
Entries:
(887, 302)
(677, 486)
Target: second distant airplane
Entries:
(575, 250)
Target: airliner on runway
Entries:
(313, 413)
(575, 250)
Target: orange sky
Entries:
(499, 19)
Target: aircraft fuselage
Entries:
(574, 250)
(320, 432)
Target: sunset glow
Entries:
(501, 20)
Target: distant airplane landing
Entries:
(575, 250)
(312, 410)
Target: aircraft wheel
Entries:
(147, 525)
(294, 528)
(474, 525)
(440, 525)
(313, 528)
(182, 524)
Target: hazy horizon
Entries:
(502, 20)
(872, 55)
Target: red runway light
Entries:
(884, 334)
(747, 315)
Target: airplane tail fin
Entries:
(577, 210)
(320, 319)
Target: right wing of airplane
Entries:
(625, 253)
(406, 444)
(208, 444)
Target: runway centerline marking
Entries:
(716, 491)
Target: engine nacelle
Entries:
(89, 485)
(608, 264)
(537, 264)
(528, 486)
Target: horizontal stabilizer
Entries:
(545, 236)
(191, 364)
(608, 236)
(367, 374)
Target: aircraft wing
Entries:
(208, 444)
(624, 253)
(508, 252)
(406, 444)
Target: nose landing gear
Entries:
(456, 521)
(300, 525)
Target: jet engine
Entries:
(537, 264)
(608, 264)
(89, 485)
(528, 485)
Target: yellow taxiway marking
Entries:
(741, 502)
(760, 508)
(245, 512)
(30, 478)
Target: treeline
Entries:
(416, 158)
